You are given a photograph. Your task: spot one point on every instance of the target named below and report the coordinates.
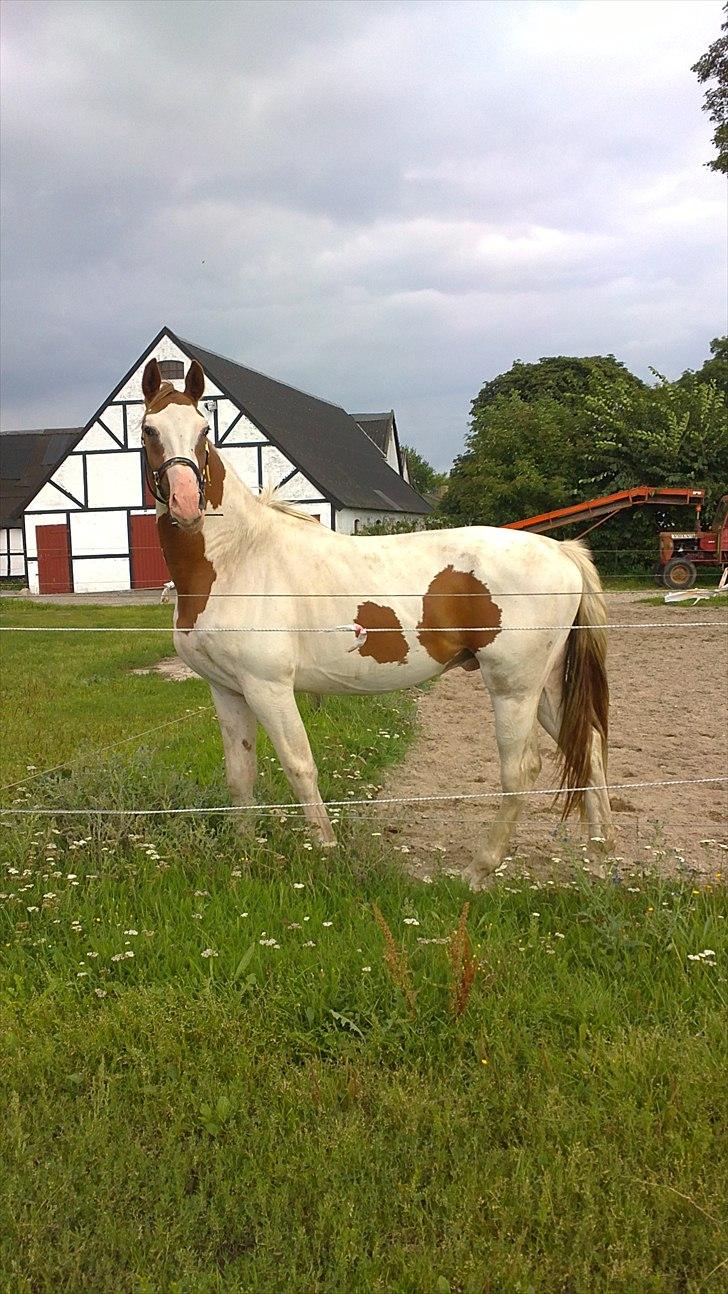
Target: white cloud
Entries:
(383, 202)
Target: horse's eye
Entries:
(150, 431)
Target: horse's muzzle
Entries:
(183, 495)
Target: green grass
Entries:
(274, 1116)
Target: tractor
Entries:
(682, 552)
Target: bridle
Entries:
(154, 477)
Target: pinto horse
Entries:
(525, 610)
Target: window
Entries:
(357, 525)
(172, 370)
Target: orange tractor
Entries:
(682, 552)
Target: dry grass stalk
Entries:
(397, 962)
(463, 965)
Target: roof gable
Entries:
(324, 441)
(378, 427)
(28, 460)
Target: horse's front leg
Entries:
(238, 726)
(275, 706)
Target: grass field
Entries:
(219, 1077)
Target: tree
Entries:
(714, 369)
(527, 450)
(675, 433)
(422, 474)
(713, 66)
(565, 378)
(519, 458)
(526, 456)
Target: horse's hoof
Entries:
(476, 877)
(600, 847)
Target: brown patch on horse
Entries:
(167, 395)
(151, 380)
(192, 572)
(195, 381)
(387, 648)
(216, 472)
(453, 624)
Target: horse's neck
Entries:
(232, 519)
(232, 512)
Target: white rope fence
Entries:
(288, 807)
(135, 597)
(337, 629)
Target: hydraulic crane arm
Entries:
(599, 510)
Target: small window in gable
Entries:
(172, 370)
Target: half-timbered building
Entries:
(91, 524)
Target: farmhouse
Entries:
(77, 513)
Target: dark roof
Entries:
(378, 427)
(324, 441)
(27, 460)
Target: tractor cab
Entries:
(682, 552)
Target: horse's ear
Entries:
(195, 381)
(151, 380)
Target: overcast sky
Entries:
(384, 203)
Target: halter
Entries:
(154, 478)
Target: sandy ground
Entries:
(172, 668)
(669, 719)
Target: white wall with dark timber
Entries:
(12, 552)
(99, 486)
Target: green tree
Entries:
(423, 476)
(713, 67)
(565, 378)
(675, 433)
(519, 458)
(527, 450)
(714, 369)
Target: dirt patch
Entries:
(669, 719)
(172, 668)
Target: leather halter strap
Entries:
(154, 477)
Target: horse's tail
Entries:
(585, 689)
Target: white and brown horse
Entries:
(508, 603)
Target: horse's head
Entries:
(174, 439)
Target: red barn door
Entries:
(54, 559)
(148, 567)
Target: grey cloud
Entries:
(383, 202)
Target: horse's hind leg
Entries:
(598, 810)
(238, 726)
(515, 723)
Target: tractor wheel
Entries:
(679, 573)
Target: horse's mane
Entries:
(269, 498)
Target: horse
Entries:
(525, 610)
